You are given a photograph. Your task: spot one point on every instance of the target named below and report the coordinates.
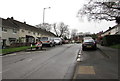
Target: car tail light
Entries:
(47, 41)
(94, 43)
(84, 43)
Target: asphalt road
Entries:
(95, 64)
(60, 63)
(53, 63)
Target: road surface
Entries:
(56, 63)
(98, 64)
(60, 63)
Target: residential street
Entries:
(60, 63)
(73, 40)
(55, 63)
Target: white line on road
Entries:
(78, 59)
(5, 70)
(28, 52)
(11, 54)
(80, 52)
(79, 55)
(29, 60)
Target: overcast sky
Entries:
(65, 11)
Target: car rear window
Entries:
(56, 38)
(44, 38)
(88, 40)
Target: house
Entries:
(0, 33)
(10, 33)
(28, 33)
(14, 31)
(112, 31)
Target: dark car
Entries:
(89, 44)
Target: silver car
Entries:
(58, 41)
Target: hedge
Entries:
(109, 40)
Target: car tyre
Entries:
(95, 48)
(51, 45)
(83, 49)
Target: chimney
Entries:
(109, 27)
(12, 18)
(24, 22)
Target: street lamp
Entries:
(44, 14)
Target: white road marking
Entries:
(80, 52)
(28, 52)
(79, 55)
(5, 70)
(11, 54)
(29, 60)
(78, 59)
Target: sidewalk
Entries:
(111, 53)
(103, 69)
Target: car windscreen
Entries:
(56, 38)
(88, 40)
(43, 38)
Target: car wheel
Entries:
(51, 45)
(95, 48)
(83, 49)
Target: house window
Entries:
(4, 29)
(34, 33)
(22, 30)
(14, 30)
(29, 32)
(38, 33)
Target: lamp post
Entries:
(44, 14)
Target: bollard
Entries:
(31, 46)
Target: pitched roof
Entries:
(7, 23)
(111, 28)
(30, 27)
(11, 23)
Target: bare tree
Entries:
(109, 10)
(44, 26)
(74, 32)
(61, 29)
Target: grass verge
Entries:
(10, 50)
(116, 46)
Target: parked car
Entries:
(85, 38)
(47, 41)
(58, 41)
(88, 43)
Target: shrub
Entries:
(111, 40)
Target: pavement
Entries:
(103, 66)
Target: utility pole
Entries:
(44, 14)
